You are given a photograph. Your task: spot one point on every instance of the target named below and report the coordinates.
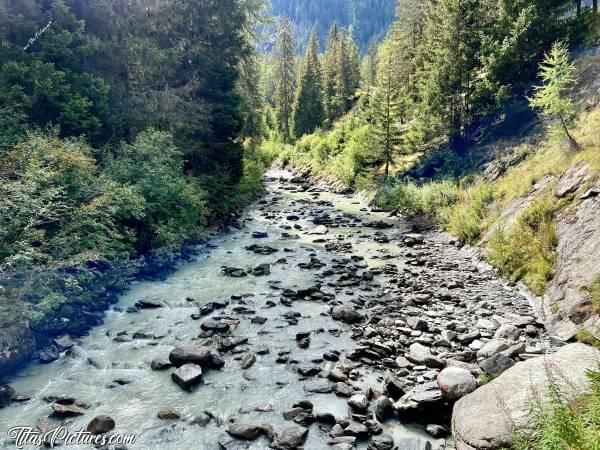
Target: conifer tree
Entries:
(341, 66)
(331, 59)
(285, 78)
(553, 98)
(308, 112)
(387, 109)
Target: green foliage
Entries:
(308, 112)
(466, 219)
(426, 200)
(484, 378)
(369, 19)
(553, 97)
(341, 73)
(527, 251)
(586, 337)
(569, 420)
(284, 78)
(12, 127)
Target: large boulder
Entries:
(250, 431)
(455, 382)
(479, 420)
(16, 346)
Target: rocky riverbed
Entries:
(317, 323)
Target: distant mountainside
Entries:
(369, 19)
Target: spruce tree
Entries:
(333, 108)
(285, 78)
(341, 67)
(387, 109)
(308, 112)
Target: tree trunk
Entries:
(574, 144)
(595, 5)
(578, 4)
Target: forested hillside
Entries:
(368, 19)
(122, 131)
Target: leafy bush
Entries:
(466, 218)
(569, 421)
(527, 252)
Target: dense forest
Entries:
(368, 19)
(123, 127)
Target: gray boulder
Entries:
(250, 431)
(455, 382)
(497, 364)
(291, 438)
(101, 424)
(419, 354)
(346, 314)
(479, 420)
(187, 376)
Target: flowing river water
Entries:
(115, 378)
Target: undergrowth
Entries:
(569, 421)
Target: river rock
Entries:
(496, 364)
(291, 438)
(346, 314)
(101, 424)
(342, 389)
(16, 346)
(423, 403)
(169, 414)
(456, 383)
(262, 270)
(492, 347)
(67, 410)
(202, 356)
(414, 444)
(248, 360)
(382, 442)
(187, 376)
(260, 234)
(49, 354)
(147, 303)
(6, 395)
(507, 331)
(356, 429)
(384, 409)
(234, 272)
(419, 354)
(479, 419)
(250, 431)
(160, 364)
(359, 402)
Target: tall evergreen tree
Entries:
(285, 78)
(387, 109)
(331, 59)
(341, 67)
(308, 112)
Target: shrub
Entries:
(570, 420)
(527, 251)
(466, 218)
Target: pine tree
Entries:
(285, 79)
(387, 109)
(341, 67)
(333, 108)
(308, 112)
(553, 98)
